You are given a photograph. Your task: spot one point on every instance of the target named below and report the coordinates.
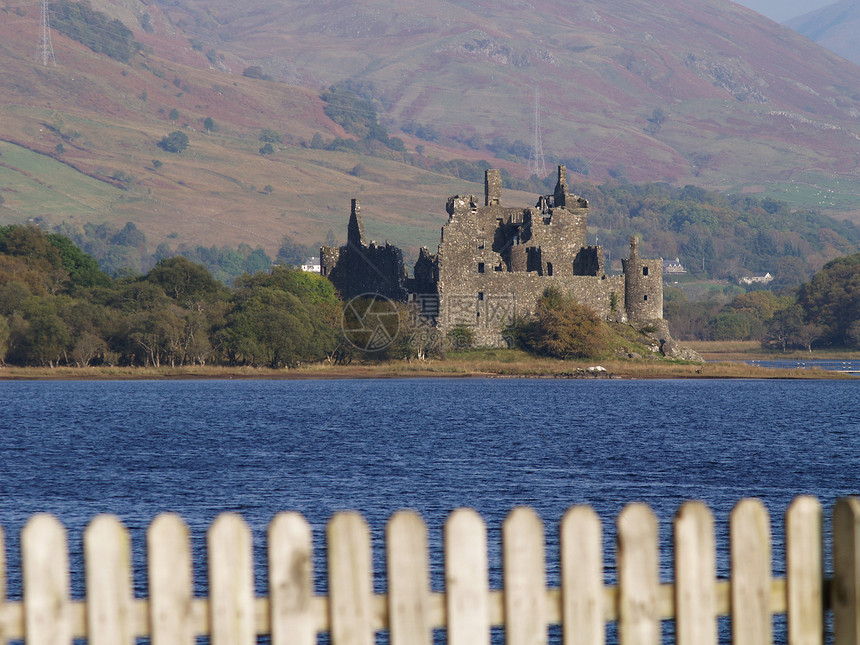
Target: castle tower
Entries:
(643, 286)
(355, 230)
(492, 187)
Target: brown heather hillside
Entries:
(746, 101)
(748, 105)
(109, 118)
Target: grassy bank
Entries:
(751, 350)
(474, 363)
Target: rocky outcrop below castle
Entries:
(658, 330)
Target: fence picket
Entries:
(845, 588)
(231, 581)
(350, 582)
(638, 576)
(751, 574)
(107, 555)
(170, 582)
(467, 584)
(695, 575)
(2, 573)
(45, 560)
(581, 551)
(3, 636)
(408, 580)
(291, 580)
(804, 573)
(524, 567)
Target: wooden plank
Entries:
(350, 580)
(638, 576)
(291, 580)
(524, 565)
(752, 623)
(170, 583)
(408, 580)
(467, 584)
(107, 556)
(4, 631)
(845, 587)
(804, 572)
(231, 581)
(581, 551)
(45, 560)
(2, 569)
(695, 575)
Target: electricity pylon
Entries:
(537, 165)
(46, 49)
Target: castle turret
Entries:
(643, 285)
(355, 230)
(492, 187)
(560, 194)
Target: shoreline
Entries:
(451, 368)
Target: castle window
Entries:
(646, 297)
(644, 270)
(480, 295)
(549, 268)
(480, 267)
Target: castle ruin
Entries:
(494, 262)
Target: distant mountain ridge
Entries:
(835, 27)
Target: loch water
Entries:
(257, 447)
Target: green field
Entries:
(35, 185)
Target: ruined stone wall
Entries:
(491, 302)
(329, 257)
(357, 268)
(371, 269)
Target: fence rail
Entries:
(352, 613)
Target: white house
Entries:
(312, 265)
(758, 278)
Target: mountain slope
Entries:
(834, 27)
(744, 100)
(702, 92)
(79, 143)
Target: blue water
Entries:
(199, 448)
(847, 366)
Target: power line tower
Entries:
(537, 165)
(46, 49)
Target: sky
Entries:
(782, 10)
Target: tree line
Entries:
(57, 307)
(822, 312)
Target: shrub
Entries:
(461, 337)
(562, 329)
(175, 142)
(270, 136)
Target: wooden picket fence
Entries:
(467, 608)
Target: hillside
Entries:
(109, 118)
(834, 27)
(742, 100)
(707, 93)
